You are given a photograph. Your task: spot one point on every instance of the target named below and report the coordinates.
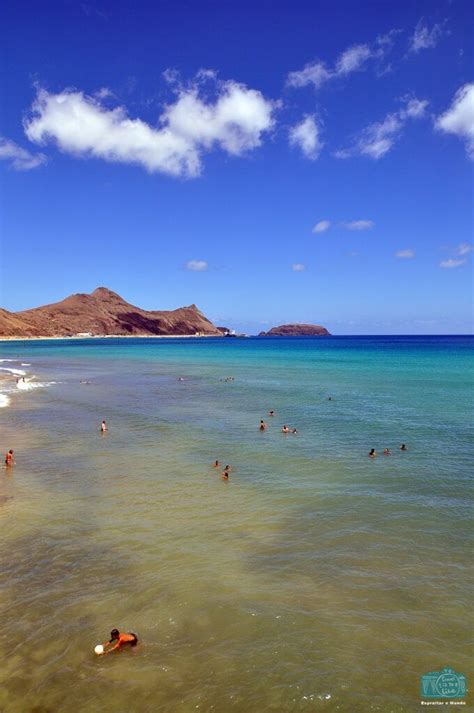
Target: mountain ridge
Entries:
(103, 312)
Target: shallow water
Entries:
(315, 579)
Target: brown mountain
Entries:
(102, 312)
(296, 330)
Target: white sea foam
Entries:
(18, 372)
(4, 400)
(8, 359)
(25, 364)
(29, 384)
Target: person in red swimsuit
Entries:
(118, 640)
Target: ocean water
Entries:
(315, 579)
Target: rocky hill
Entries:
(102, 312)
(296, 330)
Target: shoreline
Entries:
(110, 336)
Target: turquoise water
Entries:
(315, 579)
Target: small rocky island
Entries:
(296, 330)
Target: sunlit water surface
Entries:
(315, 579)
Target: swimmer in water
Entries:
(103, 427)
(403, 447)
(294, 431)
(225, 473)
(285, 429)
(271, 413)
(263, 425)
(9, 458)
(118, 640)
(372, 453)
(216, 464)
(387, 452)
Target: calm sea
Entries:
(315, 579)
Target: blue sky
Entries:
(272, 162)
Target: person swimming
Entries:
(294, 431)
(387, 452)
(271, 413)
(372, 453)
(403, 447)
(103, 426)
(118, 640)
(225, 473)
(9, 458)
(263, 425)
(285, 429)
(216, 464)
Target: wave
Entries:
(30, 384)
(17, 372)
(22, 382)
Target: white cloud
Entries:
(306, 136)
(82, 126)
(405, 254)
(464, 249)
(423, 37)
(21, 159)
(459, 118)
(315, 73)
(378, 138)
(353, 59)
(451, 263)
(196, 265)
(298, 267)
(359, 225)
(415, 108)
(322, 226)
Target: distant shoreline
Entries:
(110, 336)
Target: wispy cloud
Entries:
(464, 249)
(451, 263)
(459, 118)
(298, 267)
(359, 225)
(91, 9)
(197, 265)
(425, 37)
(322, 226)
(354, 59)
(378, 138)
(306, 136)
(405, 254)
(82, 126)
(20, 159)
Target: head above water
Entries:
(114, 634)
